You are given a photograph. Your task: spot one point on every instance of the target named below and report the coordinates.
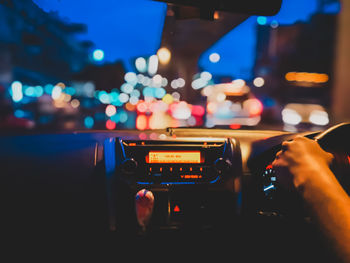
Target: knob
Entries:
(129, 166)
(222, 165)
(144, 202)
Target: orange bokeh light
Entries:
(141, 122)
(254, 106)
(307, 77)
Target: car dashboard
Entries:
(208, 184)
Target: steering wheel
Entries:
(336, 140)
(334, 136)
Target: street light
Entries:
(98, 55)
(164, 55)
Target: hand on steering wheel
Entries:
(304, 165)
(299, 161)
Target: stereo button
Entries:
(129, 166)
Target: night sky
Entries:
(126, 29)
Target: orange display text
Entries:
(174, 157)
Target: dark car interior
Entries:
(215, 191)
(83, 185)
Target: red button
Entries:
(177, 209)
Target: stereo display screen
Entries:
(174, 157)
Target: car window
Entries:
(110, 65)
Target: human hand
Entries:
(303, 165)
(300, 161)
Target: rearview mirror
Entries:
(249, 7)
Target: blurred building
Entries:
(180, 26)
(105, 77)
(37, 47)
(296, 61)
(340, 96)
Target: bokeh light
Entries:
(259, 82)
(89, 122)
(98, 55)
(110, 125)
(262, 20)
(214, 57)
(141, 64)
(111, 110)
(16, 89)
(164, 55)
(141, 122)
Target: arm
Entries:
(304, 165)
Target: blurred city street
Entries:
(111, 66)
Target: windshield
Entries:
(109, 65)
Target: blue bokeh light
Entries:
(19, 113)
(262, 20)
(89, 122)
(98, 54)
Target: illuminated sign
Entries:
(307, 77)
(174, 157)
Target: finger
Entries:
(285, 146)
(278, 155)
(275, 163)
(279, 163)
(299, 137)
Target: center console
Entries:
(194, 183)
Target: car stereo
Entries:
(187, 177)
(173, 162)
